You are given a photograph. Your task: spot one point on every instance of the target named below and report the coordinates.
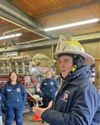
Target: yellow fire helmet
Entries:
(72, 47)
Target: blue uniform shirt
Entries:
(49, 87)
(15, 96)
(0, 104)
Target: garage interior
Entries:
(24, 33)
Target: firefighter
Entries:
(78, 101)
(15, 98)
(1, 103)
(49, 88)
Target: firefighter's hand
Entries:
(50, 104)
(37, 109)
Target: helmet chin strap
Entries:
(64, 78)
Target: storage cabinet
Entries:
(21, 65)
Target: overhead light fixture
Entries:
(10, 36)
(94, 20)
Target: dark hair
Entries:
(78, 60)
(9, 79)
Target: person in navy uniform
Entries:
(15, 99)
(1, 104)
(78, 101)
(49, 88)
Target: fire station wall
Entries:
(43, 50)
(93, 49)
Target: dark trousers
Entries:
(14, 114)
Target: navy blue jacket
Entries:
(77, 102)
(15, 96)
(1, 101)
(49, 87)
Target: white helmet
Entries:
(72, 47)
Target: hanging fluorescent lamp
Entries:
(94, 20)
(10, 36)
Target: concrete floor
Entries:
(28, 120)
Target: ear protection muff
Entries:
(78, 60)
(74, 68)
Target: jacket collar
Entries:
(79, 74)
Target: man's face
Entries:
(65, 63)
